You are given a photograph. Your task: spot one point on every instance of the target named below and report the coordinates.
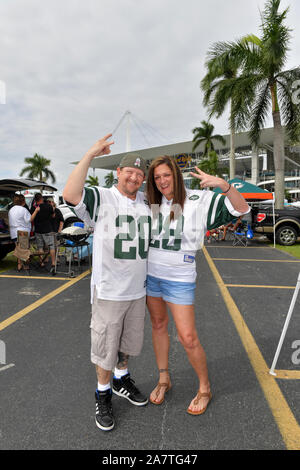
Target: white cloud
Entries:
(72, 68)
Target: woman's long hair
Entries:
(154, 196)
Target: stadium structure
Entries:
(254, 165)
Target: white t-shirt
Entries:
(120, 241)
(173, 245)
(19, 219)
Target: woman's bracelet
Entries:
(225, 192)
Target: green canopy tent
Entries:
(250, 192)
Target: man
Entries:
(43, 228)
(57, 220)
(122, 225)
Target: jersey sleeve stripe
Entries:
(213, 209)
(98, 203)
(221, 213)
(92, 201)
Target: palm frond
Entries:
(243, 98)
(259, 112)
(37, 166)
(289, 107)
(275, 36)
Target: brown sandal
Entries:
(160, 385)
(198, 398)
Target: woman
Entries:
(20, 219)
(181, 218)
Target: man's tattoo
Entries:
(123, 360)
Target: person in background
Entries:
(43, 229)
(57, 221)
(20, 219)
(232, 226)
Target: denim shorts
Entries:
(180, 293)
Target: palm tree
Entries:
(211, 166)
(110, 180)
(92, 181)
(205, 135)
(37, 167)
(263, 84)
(222, 70)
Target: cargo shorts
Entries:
(43, 239)
(116, 326)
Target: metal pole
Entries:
(128, 132)
(274, 230)
(286, 324)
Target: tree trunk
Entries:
(232, 150)
(254, 165)
(278, 153)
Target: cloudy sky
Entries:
(71, 69)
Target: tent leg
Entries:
(286, 324)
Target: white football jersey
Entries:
(173, 245)
(120, 242)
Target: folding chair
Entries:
(34, 252)
(240, 236)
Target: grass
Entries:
(9, 262)
(293, 250)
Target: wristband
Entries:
(225, 192)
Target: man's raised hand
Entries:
(101, 147)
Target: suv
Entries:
(286, 222)
(8, 187)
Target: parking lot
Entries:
(243, 295)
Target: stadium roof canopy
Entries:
(111, 162)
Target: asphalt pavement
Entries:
(243, 294)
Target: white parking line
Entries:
(6, 367)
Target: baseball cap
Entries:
(133, 160)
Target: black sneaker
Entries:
(53, 270)
(104, 415)
(124, 387)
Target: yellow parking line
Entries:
(9, 321)
(263, 260)
(286, 422)
(244, 247)
(53, 278)
(287, 374)
(259, 287)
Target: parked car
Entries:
(8, 187)
(286, 222)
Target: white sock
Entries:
(103, 388)
(118, 373)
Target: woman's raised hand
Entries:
(211, 181)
